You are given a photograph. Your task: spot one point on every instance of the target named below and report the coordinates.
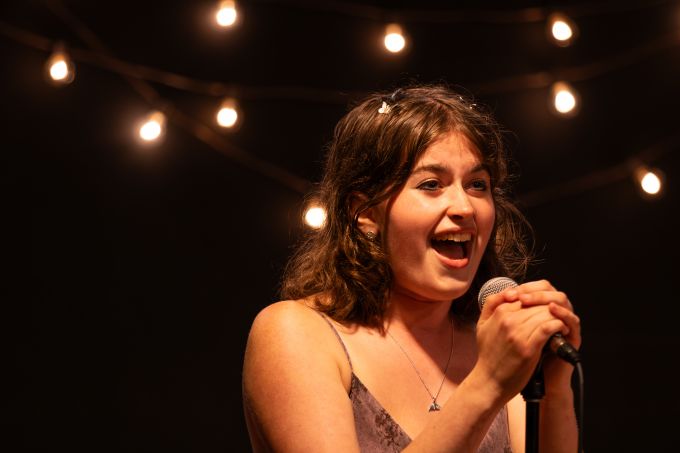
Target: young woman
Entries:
(381, 345)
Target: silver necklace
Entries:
(434, 406)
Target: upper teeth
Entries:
(456, 237)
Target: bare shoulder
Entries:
(279, 345)
(293, 372)
(291, 336)
(283, 312)
(281, 323)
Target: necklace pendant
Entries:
(434, 407)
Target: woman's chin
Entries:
(441, 294)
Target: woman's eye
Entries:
(432, 184)
(479, 184)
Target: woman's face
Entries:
(438, 225)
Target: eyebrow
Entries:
(439, 168)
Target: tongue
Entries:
(449, 249)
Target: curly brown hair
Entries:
(368, 161)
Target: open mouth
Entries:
(454, 246)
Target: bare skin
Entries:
(296, 375)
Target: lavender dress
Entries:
(378, 432)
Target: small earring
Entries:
(370, 235)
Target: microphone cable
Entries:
(579, 406)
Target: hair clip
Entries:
(385, 108)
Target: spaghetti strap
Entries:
(335, 331)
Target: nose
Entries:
(459, 206)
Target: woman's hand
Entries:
(556, 372)
(514, 327)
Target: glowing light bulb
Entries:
(394, 38)
(564, 99)
(59, 70)
(226, 14)
(315, 217)
(153, 127)
(561, 29)
(650, 181)
(227, 116)
(59, 67)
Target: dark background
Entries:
(139, 269)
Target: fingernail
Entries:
(512, 293)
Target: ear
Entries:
(367, 221)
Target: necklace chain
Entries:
(434, 406)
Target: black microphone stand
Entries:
(533, 392)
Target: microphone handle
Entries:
(563, 349)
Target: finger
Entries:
(546, 297)
(537, 285)
(572, 321)
(528, 318)
(530, 328)
(563, 312)
(492, 301)
(544, 330)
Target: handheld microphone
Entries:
(556, 344)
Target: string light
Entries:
(564, 99)
(315, 217)
(59, 67)
(226, 14)
(153, 127)
(61, 70)
(650, 181)
(394, 38)
(227, 116)
(561, 29)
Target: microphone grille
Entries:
(494, 286)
